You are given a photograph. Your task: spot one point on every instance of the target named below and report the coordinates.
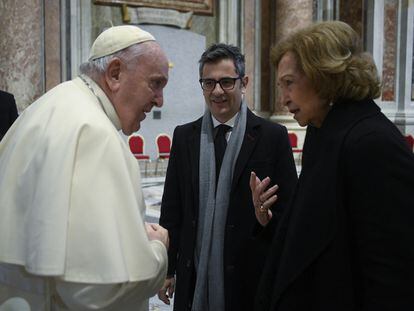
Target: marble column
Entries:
(258, 33)
(352, 13)
(266, 72)
(392, 46)
(52, 45)
(389, 69)
(250, 20)
(290, 16)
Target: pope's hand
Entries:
(157, 232)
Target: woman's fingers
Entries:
(268, 193)
(253, 181)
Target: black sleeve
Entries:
(13, 110)
(284, 173)
(285, 176)
(170, 217)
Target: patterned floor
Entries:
(152, 188)
(157, 305)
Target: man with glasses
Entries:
(207, 205)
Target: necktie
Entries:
(220, 144)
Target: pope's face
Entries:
(298, 94)
(223, 104)
(141, 88)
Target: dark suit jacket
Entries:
(347, 240)
(265, 150)
(8, 112)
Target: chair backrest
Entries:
(163, 144)
(293, 140)
(410, 141)
(136, 144)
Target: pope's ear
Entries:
(113, 74)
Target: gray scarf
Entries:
(209, 288)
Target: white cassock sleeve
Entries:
(80, 296)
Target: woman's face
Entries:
(297, 93)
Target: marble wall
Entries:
(290, 16)
(249, 49)
(390, 49)
(30, 59)
(21, 46)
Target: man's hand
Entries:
(157, 232)
(167, 291)
(262, 199)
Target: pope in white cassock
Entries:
(72, 235)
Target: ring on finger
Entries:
(263, 209)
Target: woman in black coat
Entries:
(347, 240)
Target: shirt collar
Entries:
(229, 122)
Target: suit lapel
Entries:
(249, 142)
(193, 149)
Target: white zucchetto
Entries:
(118, 38)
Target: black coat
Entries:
(347, 240)
(265, 150)
(8, 112)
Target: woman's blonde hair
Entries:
(330, 55)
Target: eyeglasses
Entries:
(225, 83)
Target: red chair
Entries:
(163, 142)
(293, 139)
(410, 141)
(136, 144)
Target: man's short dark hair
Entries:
(219, 51)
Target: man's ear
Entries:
(244, 82)
(113, 74)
